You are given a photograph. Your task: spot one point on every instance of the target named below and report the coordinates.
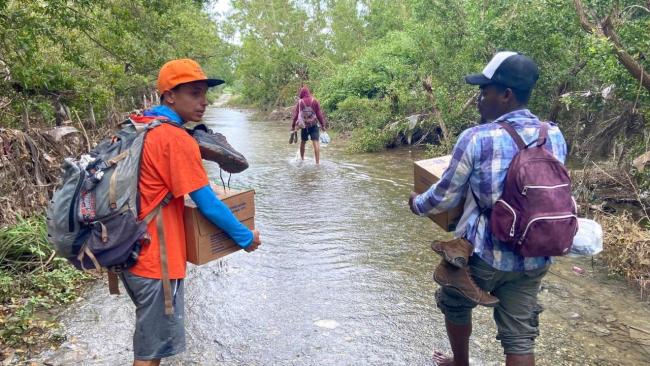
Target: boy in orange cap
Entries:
(171, 167)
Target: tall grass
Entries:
(32, 279)
(24, 247)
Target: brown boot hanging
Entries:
(456, 252)
(460, 281)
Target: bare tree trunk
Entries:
(605, 28)
(67, 113)
(91, 112)
(26, 116)
(437, 116)
(59, 113)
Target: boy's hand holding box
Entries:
(206, 242)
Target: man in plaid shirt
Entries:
(479, 164)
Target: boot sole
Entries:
(226, 160)
(460, 293)
(220, 152)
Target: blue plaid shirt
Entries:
(480, 161)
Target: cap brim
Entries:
(477, 79)
(214, 82)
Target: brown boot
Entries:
(460, 281)
(456, 252)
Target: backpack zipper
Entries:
(514, 221)
(525, 190)
(543, 218)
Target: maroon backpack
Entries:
(536, 215)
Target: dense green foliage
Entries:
(56, 54)
(32, 280)
(404, 57)
(356, 54)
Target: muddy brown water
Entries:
(344, 278)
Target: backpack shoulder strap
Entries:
(113, 283)
(164, 268)
(162, 243)
(515, 136)
(543, 134)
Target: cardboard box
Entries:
(425, 174)
(206, 242)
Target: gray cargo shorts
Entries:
(156, 335)
(516, 316)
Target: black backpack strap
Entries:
(515, 136)
(483, 211)
(543, 134)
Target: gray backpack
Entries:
(307, 114)
(92, 219)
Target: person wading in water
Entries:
(481, 159)
(307, 115)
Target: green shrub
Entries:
(355, 112)
(369, 139)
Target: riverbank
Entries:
(35, 286)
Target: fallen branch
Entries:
(638, 196)
(83, 129)
(639, 329)
(34, 153)
(607, 174)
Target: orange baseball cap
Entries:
(176, 72)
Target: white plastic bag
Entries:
(324, 138)
(589, 239)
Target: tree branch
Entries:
(606, 29)
(635, 68)
(561, 89)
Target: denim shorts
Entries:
(516, 316)
(156, 335)
(310, 132)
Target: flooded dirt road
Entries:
(344, 278)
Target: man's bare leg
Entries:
(146, 362)
(302, 149)
(459, 341)
(520, 360)
(316, 150)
